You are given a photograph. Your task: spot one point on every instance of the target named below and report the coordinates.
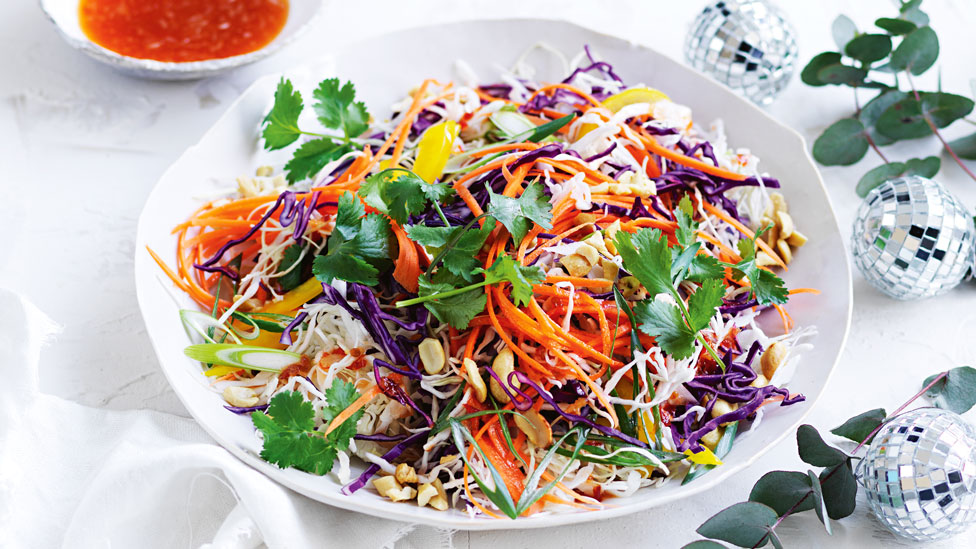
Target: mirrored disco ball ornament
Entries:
(745, 44)
(913, 239)
(919, 474)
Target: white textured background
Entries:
(81, 147)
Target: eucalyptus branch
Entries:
(935, 130)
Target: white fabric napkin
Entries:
(81, 477)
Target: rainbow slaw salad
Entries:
(509, 298)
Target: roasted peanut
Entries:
(778, 202)
(431, 355)
(773, 358)
(760, 381)
(474, 380)
(432, 493)
(264, 171)
(388, 487)
(503, 365)
(784, 251)
(785, 223)
(610, 269)
(575, 265)
(711, 438)
(535, 427)
(631, 287)
(405, 474)
(609, 235)
(764, 260)
(589, 253)
(797, 239)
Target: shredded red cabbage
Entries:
(392, 454)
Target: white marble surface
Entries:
(81, 146)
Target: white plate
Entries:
(231, 148)
(64, 14)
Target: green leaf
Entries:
(843, 30)
(781, 490)
(722, 449)
(767, 288)
(819, 505)
(917, 51)
(499, 495)
(839, 490)
(860, 426)
(358, 248)
(281, 123)
(842, 144)
(745, 524)
(288, 426)
(840, 74)
(242, 356)
(704, 267)
(814, 450)
(910, 12)
(896, 27)
(311, 157)
(703, 544)
(456, 310)
(517, 214)
(647, 257)
(506, 269)
(873, 110)
(290, 260)
(868, 48)
(461, 258)
(687, 226)
(924, 167)
(810, 74)
(337, 108)
(664, 323)
(545, 130)
(703, 303)
(956, 392)
(401, 193)
(965, 147)
(906, 119)
(532, 493)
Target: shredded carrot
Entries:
(353, 408)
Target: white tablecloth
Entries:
(82, 146)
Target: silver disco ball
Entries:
(919, 474)
(913, 239)
(745, 44)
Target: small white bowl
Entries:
(64, 15)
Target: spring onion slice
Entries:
(242, 356)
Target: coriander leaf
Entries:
(338, 397)
(358, 248)
(506, 269)
(336, 108)
(461, 259)
(647, 257)
(704, 267)
(702, 303)
(687, 226)
(281, 123)
(311, 157)
(662, 321)
(290, 260)
(860, 426)
(516, 214)
(289, 436)
(767, 288)
(400, 193)
(457, 310)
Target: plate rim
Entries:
(390, 510)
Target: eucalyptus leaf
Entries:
(818, 500)
(916, 16)
(704, 544)
(843, 30)
(903, 120)
(869, 48)
(814, 450)
(745, 524)
(955, 392)
(917, 51)
(924, 167)
(810, 73)
(945, 108)
(783, 491)
(896, 27)
(860, 426)
(965, 147)
(873, 110)
(839, 490)
(842, 144)
(840, 74)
